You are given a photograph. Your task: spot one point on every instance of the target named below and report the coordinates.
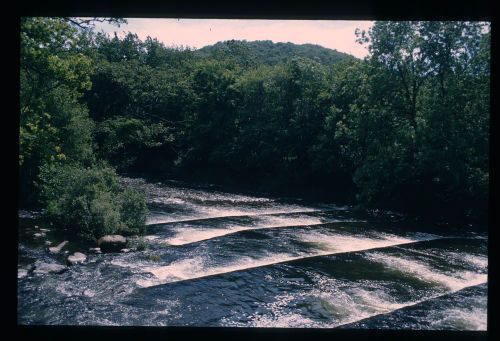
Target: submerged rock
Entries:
(57, 249)
(76, 258)
(112, 243)
(45, 268)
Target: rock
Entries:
(39, 235)
(76, 258)
(36, 226)
(45, 230)
(45, 268)
(125, 250)
(89, 293)
(57, 249)
(112, 243)
(96, 250)
(48, 242)
(22, 273)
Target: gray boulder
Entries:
(45, 268)
(76, 258)
(112, 243)
(57, 249)
(22, 273)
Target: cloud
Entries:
(197, 33)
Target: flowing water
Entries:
(221, 259)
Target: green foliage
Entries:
(255, 53)
(90, 201)
(125, 140)
(154, 258)
(54, 124)
(407, 127)
(426, 147)
(56, 135)
(141, 244)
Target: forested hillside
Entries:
(407, 128)
(269, 53)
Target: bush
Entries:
(90, 201)
(141, 244)
(154, 258)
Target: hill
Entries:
(267, 52)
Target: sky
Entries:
(333, 34)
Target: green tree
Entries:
(425, 159)
(54, 126)
(58, 168)
(90, 202)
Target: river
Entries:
(223, 259)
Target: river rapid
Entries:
(223, 259)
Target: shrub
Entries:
(133, 210)
(141, 244)
(90, 201)
(154, 258)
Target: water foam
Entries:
(333, 302)
(454, 281)
(476, 261)
(326, 244)
(205, 213)
(187, 235)
(475, 318)
(340, 303)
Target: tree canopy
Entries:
(406, 128)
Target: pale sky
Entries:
(333, 34)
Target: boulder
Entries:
(57, 249)
(125, 250)
(76, 258)
(45, 268)
(96, 250)
(112, 243)
(22, 273)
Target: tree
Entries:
(54, 126)
(427, 152)
(58, 168)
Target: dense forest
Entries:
(407, 128)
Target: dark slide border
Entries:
(311, 9)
